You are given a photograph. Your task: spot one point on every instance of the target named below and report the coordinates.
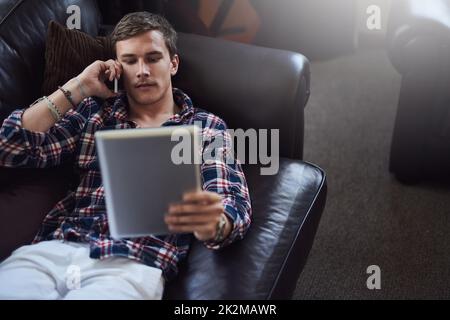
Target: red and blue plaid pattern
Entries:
(81, 215)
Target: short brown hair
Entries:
(136, 23)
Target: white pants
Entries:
(63, 270)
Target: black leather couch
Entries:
(418, 41)
(249, 87)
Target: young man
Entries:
(73, 255)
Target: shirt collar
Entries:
(120, 107)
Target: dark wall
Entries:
(114, 10)
(316, 28)
(182, 14)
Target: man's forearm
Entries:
(39, 118)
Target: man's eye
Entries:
(155, 59)
(129, 61)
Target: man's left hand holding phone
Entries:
(46, 111)
(96, 74)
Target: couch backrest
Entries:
(23, 29)
(248, 86)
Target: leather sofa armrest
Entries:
(23, 32)
(267, 262)
(418, 33)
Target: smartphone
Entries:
(115, 85)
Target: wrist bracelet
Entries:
(36, 102)
(68, 96)
(53, 108)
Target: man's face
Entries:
(147, 67)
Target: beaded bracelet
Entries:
(53, 108)
(68, 96)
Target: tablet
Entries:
(143, 171)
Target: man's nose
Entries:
(144, 71)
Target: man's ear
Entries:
(174, 62)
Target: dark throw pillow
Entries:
(68, 53)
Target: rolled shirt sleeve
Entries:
(20, 147)
(222, 173)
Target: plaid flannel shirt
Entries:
(81, 215)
